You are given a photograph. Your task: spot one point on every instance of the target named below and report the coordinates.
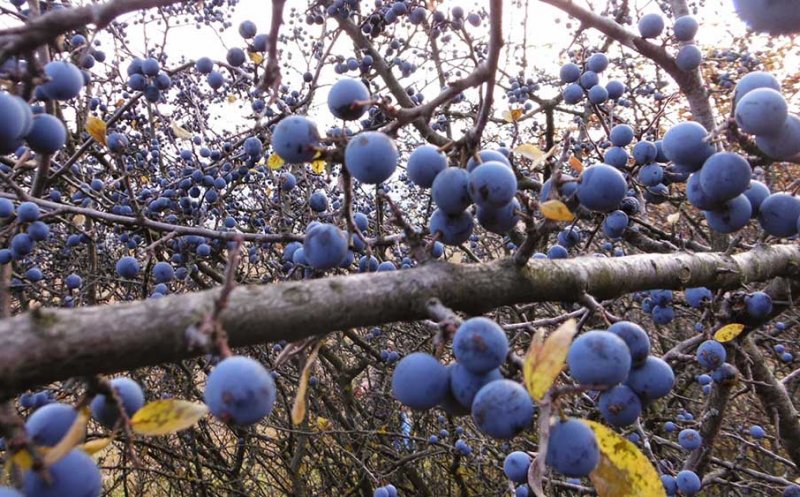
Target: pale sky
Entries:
(546, 38)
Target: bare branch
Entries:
(44, 29)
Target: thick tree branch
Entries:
(47, 345)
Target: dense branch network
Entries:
(298, 303)
(44, 29)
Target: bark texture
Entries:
(47, 345)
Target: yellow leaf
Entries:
(96, 128)
(93, 447)
(545, 358)
(162, 417)
(256, 57)
(318, 166)
(78, 219)
(512, 115)
(231, 99)
(299, 407)
(623, 471)
(575, 164)
(323, 424)
(179, 131)
(274, 162)
(556, 210)
(22, 460)
(71, 438)
(728, 332)
(528, 150)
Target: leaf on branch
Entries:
(95, 446)
(299, 407)
(72, 438)
(556, 210)
(256, 57)
(21, 461)
(576, 164)
(318, 166)
(623, 471)
(163, 417)
(512, 115)
(529, 151)
(179, 131)
(728, 332)
(546, 357)
(323, 424)
(96, 128)
(275, 162)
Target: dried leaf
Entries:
(180, 132)
(299, 407)
(22, 460)
(163, 417)
(623, 471)
(556, 210)
(275, 162)
(323, 424)
(528, 150)
(93, 447)
(546, 358)
(256, 57)
(318, 166)
(96, 128)
(728, 332)
(576, 164)
(512, 115)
